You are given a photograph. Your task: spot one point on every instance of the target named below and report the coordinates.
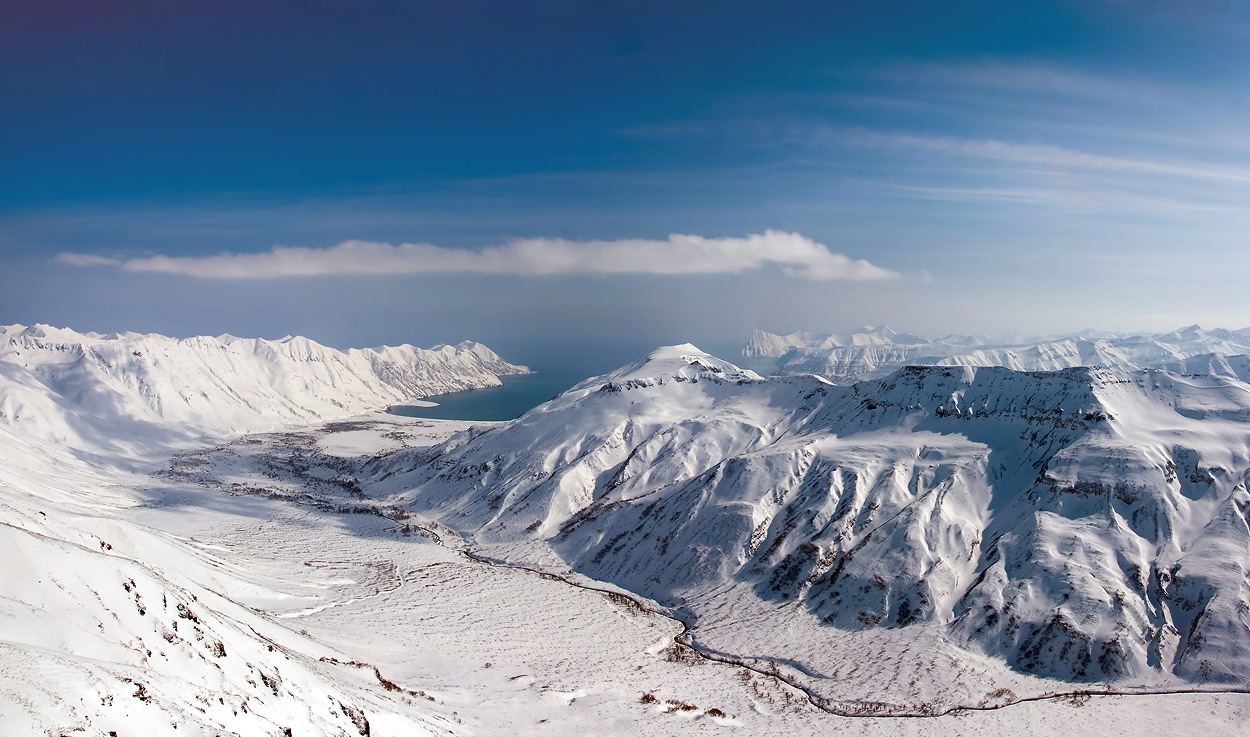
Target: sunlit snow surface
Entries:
(310, 579)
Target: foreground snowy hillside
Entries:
(108, 626)
(111, 626)
(879, 351)
(91, 389)
(1083, 525)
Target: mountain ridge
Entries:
(849, 358)
(1062, 521)
(85, 388)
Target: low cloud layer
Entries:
(795, 254)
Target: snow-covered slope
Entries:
(108, 626)
(148, 632)
(1086, 524)
(105, 390)
(877, 352)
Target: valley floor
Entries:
(420, 633)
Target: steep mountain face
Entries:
(1086, 524)
(79, 389)
(872, 354)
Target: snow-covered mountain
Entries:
(1087, 524)
(876, 352)
(91, 389)
(763, 344)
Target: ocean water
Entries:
(518, 395)
(557, 368)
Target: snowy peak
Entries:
(665, 366)
(684, 360)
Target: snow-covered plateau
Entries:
(223, 536)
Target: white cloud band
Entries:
(795, 254)
(86, 259)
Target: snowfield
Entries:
(679, 547)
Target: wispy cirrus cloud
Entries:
(1073, 197)
(794, 254)
(87, 259)
(1020, 78)
(1136, 180)
(1050, 155)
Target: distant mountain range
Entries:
(80, 388)
(875, 352)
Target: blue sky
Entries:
(623, 172)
